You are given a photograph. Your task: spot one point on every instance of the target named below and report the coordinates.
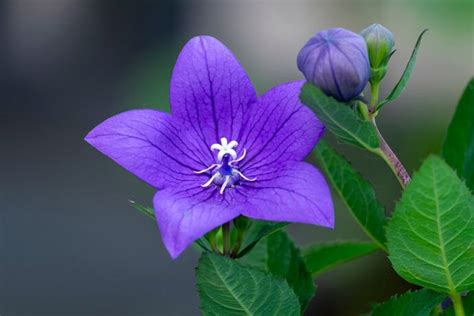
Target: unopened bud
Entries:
(380, 43)
(336, 61)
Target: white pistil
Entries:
(224, 185)
(229, 173)
(209, 182)
(225, 148)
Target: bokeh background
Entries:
(70, 244)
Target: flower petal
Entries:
(186, 215)
(279, 129)
(148, 144)
(298, 193)
(210, 91)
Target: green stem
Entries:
(374, 96)
(385, 151)
(226, 237)
(392, 160)
(457, 304)
(238, 243)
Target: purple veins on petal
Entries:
(222, 152)
(148, 144)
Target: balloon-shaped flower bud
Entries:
(379, 43)
(336, 60)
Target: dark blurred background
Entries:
(70, 242)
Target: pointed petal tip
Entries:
(204, 38)
(174, 253)
(184, 216)
(90, 137)
(93, 136)
(331, 223)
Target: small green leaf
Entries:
(419, 303)
(147, 211)
(431, 234)
(285, 260)
(402, 83)
(355, 191)
(257, 231)
(278, 255)
(458, 149)
(322, 257)
(340, 119)
(468, 304)
(227, 288)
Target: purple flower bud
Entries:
(336, 60)
(380, 43)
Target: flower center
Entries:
(225, 173)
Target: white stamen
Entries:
(213, 166)
(244, 177)
(209, 182)
(239, 159)
(230, 174)
(224, 185)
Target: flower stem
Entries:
(238, 243)
(457, 304)
(385, 151)
(374, 95)
(392, 160)
(226, 237)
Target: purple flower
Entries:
(336, 60)
(221, 152)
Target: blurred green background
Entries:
(70, 242)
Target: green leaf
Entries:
(227, 288)
(402, 83)
(468, 303)
(340, 119)
(419, 303)
(355, 191)
(278, 255)
(458, 149)
(257, 231)
(257, 257)
(431, 234)
(322, 257)
(285, 260)
(147, 211)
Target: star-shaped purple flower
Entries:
(221, 152)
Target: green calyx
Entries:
(380, 44)
(377, 74)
